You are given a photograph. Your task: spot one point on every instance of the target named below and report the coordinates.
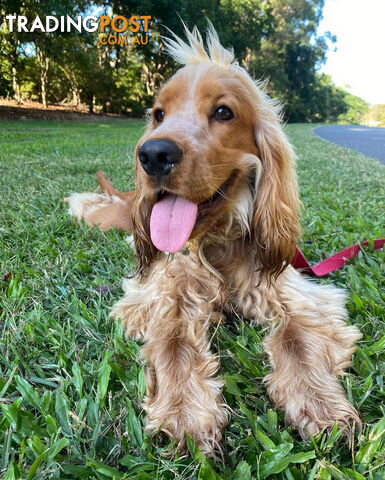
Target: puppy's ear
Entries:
(276, 226)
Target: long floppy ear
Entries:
(276, 225)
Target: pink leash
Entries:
(334, 262)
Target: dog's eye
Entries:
(223, 114)
(159, 115)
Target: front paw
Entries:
(311, 415)
(205, 428)
(131, 309)
(201, 414)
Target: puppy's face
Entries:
(194, 148)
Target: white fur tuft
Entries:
(194, 51)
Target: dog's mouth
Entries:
(173, 218)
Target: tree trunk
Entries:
(75, 96)
(44, 65)
(13, 56)
(16, 85)
(247, 60)
(71, 77)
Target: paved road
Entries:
(367, 140)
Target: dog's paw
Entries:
(80, 205)
(204, 427)
(315, 416)
(131, 309)
(99, 209)
(195, 408)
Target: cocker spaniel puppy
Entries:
(216, 187)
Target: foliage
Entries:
(289, 58)
(377, 115)
(71, 384)
(46, 46)
(5, 67)
(272, 38)
(329, 102)
(357, 109)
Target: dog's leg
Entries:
(105, 210)
(309, 346)
(174, 307)
(183, 394)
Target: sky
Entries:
(359, 57)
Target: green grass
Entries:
(71, 385)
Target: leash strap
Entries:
(334, 262)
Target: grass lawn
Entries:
(71, 385)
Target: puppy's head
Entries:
(214, 149)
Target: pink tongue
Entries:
(172, 221)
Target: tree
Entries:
(249, 22)
(46, 46)
(356, 110)
(275, 39)
(10, 63)
(290, 56)
(377, 115)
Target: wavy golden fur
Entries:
(241, 175)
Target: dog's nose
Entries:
(159, 156)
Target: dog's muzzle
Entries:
(158, 157)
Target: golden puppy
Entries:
(216, 185)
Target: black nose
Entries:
(159, 156)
